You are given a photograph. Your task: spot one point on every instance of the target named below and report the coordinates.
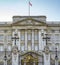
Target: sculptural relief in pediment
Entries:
(29, 22)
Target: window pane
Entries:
(36, 47)
(22, 37)
(36, 37)
(1, 37)
(9, 37)
(29, 35)
(9, 47)
(36, 34)
(22, 46)
(1, 48)
(29, 46)
(22, 34)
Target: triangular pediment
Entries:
(29, 22)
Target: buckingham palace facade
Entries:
(30, 40)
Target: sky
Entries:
(48, 8)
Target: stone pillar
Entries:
(25, 39)
(43, 42)
(19, 40)
(15, 55)
(13, 42)
(5, 39)
(46, 59)
(5, 62)
(39, 60)
(14, 59)
(15, 49)
(5, 47)
(34, 63)
(56, 62)
(24, 63)
(20, 61)
(32, 39)
(40, 41)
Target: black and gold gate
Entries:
(29, 60)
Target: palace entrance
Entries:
(31, 59)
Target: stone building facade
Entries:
(25, 41)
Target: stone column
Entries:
(39, 60)
(40, 41)
(24, 63)
(18, 35)
(25, 39)
(14, 59)
(46, 59)
(13, 42)
(20, 61)
(15, 50)
(56, 62)
(34, 63)
(5, 62)
(43, 42)
(19, 40)
(45, 36)
(5, 39)
(32, 39)
(5, 47)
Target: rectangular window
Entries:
(22, 46)
(1, 47)
(36, 47)
(52, 37)
(57, 37)
(1, 37)
(29, 39)
(36, 38)
(9, 37)
(9, 47)
(29, 35)
(22, 35)
(29, 46)
(53, 31)
(35, 34)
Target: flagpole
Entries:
(29, 8)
